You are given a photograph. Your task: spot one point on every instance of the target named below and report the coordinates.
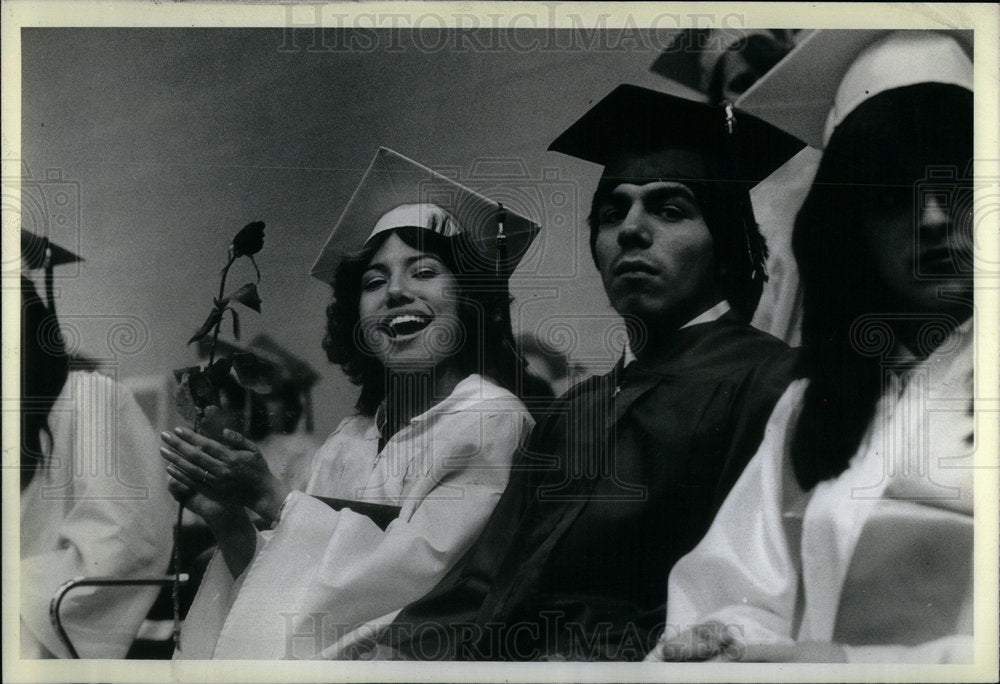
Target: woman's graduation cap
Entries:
(831, 72)
(397, 192)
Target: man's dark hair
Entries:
(740, 248)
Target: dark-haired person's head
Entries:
(420, 287)
(887, 224)
(670, 241)
(405, 303)
(672, 230)
(885, 233)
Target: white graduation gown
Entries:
(878, 559)
(100, 507)
(325, 579)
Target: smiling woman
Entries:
(420, 320)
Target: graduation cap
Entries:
(693, 54)
(632, 121)
(39, 252)
(267, 366)
(831, 72)
(397, 192)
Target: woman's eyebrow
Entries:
(420, 257)
(407, 262)
(376, 266)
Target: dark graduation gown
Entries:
(615, 485)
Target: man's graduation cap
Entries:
(831, 72)
(641, 135)
(634, 121)
(397, 192)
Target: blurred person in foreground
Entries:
(849, 535)
(94, 498)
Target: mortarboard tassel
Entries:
(49, 289)
(502, 292)
(755, 257)
(501, 241)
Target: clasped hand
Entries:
(715, 642)
(231, 472)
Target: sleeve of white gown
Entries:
(368, 572)
(742, 574)
(338, 568)
(211, 605)
(118, 524)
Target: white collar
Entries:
(471, 390)
(713, 314)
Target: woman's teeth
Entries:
(407, 324)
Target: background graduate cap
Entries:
(397, 192)
(692, 55)
(807, 93)
(39, 252)
(633, 120)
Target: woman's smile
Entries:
(405, 324)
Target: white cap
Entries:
(903, 58)
(832, 71)
(397, 192)
(427, 216)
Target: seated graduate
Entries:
(94, 499)
(849, 535)
(625, 477)
(420, 320)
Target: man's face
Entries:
(655, 253)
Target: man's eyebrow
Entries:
(663, 189)
(672, 190)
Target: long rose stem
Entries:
(176, 589)
(218, 325)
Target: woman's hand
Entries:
(232, 472)
(708, 641)
(212, 511)
(230, 525)
(716, 642)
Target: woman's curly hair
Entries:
(483, 311)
